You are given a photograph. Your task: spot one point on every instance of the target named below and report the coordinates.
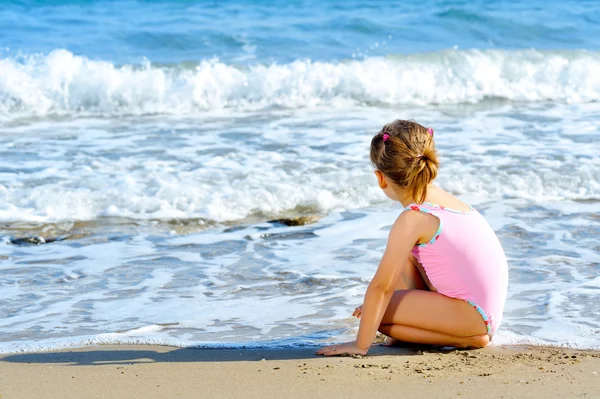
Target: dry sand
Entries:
(128, 371)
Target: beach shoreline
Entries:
(161, 371)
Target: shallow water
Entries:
(153, 180)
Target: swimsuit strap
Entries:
(427, 207)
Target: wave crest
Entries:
(62, 83)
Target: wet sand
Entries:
(142, 371)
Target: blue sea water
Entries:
(151, 144)
(249, 32)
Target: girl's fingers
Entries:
(326, 350)
(331, 350)
(323, 351)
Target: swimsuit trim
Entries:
(484, 316)
(471, 209)
(437, 234)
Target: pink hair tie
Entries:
(430, 131)
(385, 137)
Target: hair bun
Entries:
(400, 159)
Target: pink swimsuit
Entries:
(465, 260)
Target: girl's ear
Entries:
(381, 179)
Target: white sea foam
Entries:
(500, 339)
(45, 345)
(117, 191)
(61, 83)
(237, 167)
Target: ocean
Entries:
(153, 154)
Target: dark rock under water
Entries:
(34, 240)
(297, 221)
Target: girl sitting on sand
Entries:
(443, 276)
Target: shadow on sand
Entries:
(132, 354)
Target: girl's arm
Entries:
(405, 232)
(403, 236)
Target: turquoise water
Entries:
(247, 32)
(146, 149)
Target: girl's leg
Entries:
(431, 318)
(418, 336)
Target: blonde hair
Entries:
(404, 151)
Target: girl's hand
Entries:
(349, 348)
(357, 312)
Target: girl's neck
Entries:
(405, 199)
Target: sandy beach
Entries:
(136, 371)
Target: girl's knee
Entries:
(384, 329)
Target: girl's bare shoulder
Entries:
(440, 197)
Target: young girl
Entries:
(443, 277)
